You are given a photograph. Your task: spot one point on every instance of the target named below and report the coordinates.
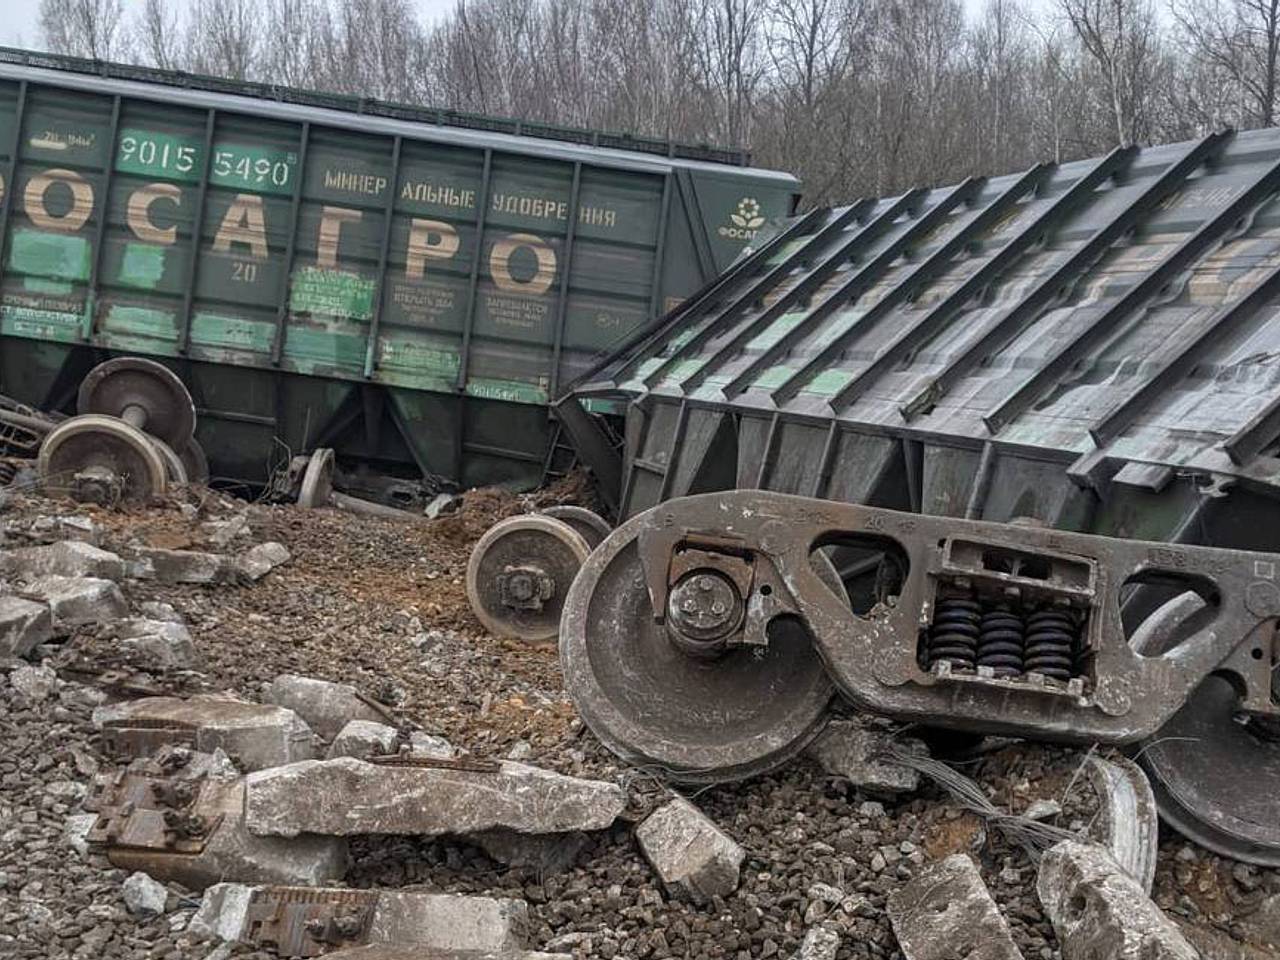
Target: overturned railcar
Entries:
(406, 285)
(1091, 345)
(965, 386)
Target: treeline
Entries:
(860, 97)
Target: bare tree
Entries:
(1237, 41)
(83, 28)
(157, 32)
(1122, 38)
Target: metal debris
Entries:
(308, 922)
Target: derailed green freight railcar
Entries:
(408, 286)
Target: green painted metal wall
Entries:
(226, 237)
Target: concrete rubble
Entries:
(143, 895)
(426, 920)
(344, 797)
(162, 643)
(692, 856)
(68, 558)
(24, 625)
(363, 738)
(34, 683)
(1099, 910)
(946, 911)
(433, 747)
(414, 951)
(259, 561)
(75, 601)
(848, 750)
(69, 527)
(257, 735)
(820, 943)
(76, 832)
(327, 707)
(182, 566)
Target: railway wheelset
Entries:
(709, 636)
(132, 438)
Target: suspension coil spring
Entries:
(8, 472)
(1051, 644)
(954, 633)
(1000, 642)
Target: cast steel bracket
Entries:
(873, 658)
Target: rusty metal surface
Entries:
(140, 811)
(407, 759)
(305, 922)
(906, 654)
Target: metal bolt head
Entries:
(704, 606)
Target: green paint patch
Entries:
(787, 250)
(232, 333)
(331, 293)
(18, 321)
(512, 391)
(54, 288)
(413, 356)
(413, 380)
(772, 378)
(681, 338)
(828, 382)
(646, 368)
(685, 368)
(600, 405)
(60, 256)
(141, 322)
(776, 331)
(323, 351)
(142, 265)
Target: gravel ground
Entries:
(381, 605)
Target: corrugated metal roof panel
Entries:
(1122, 309)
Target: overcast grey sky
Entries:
(18, 21)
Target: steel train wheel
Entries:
(697, 720)
(593, 527)
(102, 459)
(317, 481)
(195, 461)
(146, 394)
(1216, 780)
(175, 470)
(519, 575)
